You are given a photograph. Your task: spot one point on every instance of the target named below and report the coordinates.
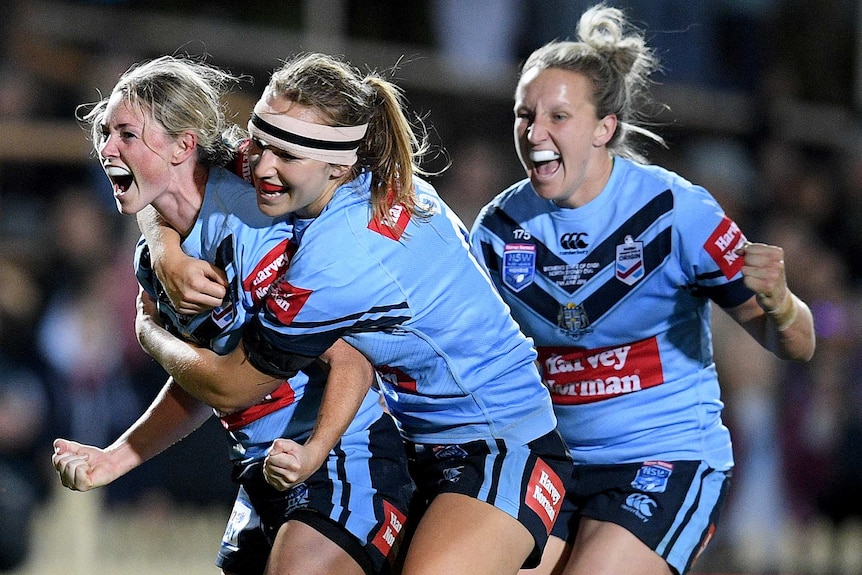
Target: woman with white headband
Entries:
(161, 138)
(381, 261)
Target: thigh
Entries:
(522, 481)
(671, 508)
(554, 558)
(460, 534)
(300, 548)
(603, 548)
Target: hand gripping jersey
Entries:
(251, 248)
(616, 296)
(420, 307)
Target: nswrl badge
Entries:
(519, 265)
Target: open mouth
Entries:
(545, 162)
(121, 178)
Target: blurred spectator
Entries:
(478, 167)
(24, 419)
(85, 333)
(478, 39)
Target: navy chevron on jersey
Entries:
(421, 308)
(616, 296)
(252, 249)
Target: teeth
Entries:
(544, 155)
(117, 172)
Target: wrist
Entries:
(785, 315)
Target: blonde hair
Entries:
(179, 94)
(391, 149)
(614, 57)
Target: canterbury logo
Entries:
(573, 241)
(641, 505)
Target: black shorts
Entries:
(671, 506)
(359, 502)
(525, 481)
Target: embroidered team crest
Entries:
(629, 266)
(573, 320)
(653, 476)
(519, 265)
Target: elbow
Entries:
(802, 353)
(225, 404)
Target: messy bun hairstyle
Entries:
(613, 55)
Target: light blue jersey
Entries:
(421, 308)
(616, 296)
(251, 248)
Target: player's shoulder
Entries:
(518, 202)
(231, 195)
(660, 179)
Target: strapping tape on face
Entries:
(331, 144)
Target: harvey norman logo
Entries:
(576, 376)
(270, 267)
(722, 246)
(545, 494)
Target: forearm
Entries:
(787, 331)
(226, 383)
(161, 238)
(350, 377)
(790, 330)
(171, 416)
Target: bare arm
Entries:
(225, 382)
(192, 285)
(172, 415)
(229, 382)
(350, 377)
(775, 317)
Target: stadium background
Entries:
(763, 109)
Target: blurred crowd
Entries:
(70, 365)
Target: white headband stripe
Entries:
(332, 144)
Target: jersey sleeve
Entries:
(708, 240)
(334, 285)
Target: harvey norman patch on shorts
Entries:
(545, 494)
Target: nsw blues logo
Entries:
(519, 265)
(652, 477)
(629, 266)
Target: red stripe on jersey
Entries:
(279, 398)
